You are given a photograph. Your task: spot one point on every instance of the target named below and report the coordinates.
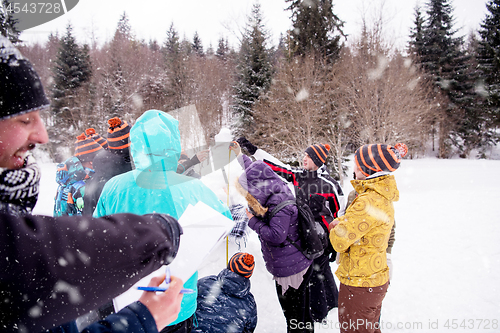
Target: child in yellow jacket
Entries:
(361, 237)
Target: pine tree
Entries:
(8, 23)
(72, 69)
(315, 29)
(197, 45)
(488, 56)
(416, 43)
(124, 29)
(222, 49)
(443, 59)
(175, 67)
(254, 71)
(71, 73)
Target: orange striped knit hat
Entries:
(118, 135)
(86, 148)
(97, 138)
(318, 153)
(242, 264)
(374, 158)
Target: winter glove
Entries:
(247, 145)
(79, 203)
(173, 230)
(317, 203)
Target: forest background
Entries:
(439, 91)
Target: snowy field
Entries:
(446, 256)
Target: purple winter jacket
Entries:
(269, 190)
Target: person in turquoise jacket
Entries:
(154, 186)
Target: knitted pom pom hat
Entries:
(86, 148)
(97, 138)
(118, 135)
(374, 158)
(242, 264)
(21, 90)
(318, 153)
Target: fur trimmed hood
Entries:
(258, 184)
(253, 203)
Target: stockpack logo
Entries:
(31, 13)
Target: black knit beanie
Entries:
(21, 90)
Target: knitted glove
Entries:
(247, 145)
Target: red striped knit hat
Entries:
(97, 138)
(374, 158)
(242, 264)
(86, 148)
(318, 153)
(118, 134)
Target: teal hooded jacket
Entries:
(154, 185)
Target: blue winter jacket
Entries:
(154, 185)
(71, 177)
(225, 304)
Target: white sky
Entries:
(150, 19)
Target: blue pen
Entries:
(167, 275)
(183, 291)
(167, 281)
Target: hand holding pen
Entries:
(167, 282)
(164, 307)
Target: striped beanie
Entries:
(118, 135)
(97, 138)
(242, 264)
(374, 158)
(86, 148)
(318, 153)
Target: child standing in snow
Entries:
(72, 175)
(225, 303)
(361, 237)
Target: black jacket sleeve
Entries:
(54, 269)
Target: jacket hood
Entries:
(155, 142)
(260, 181)
(233, 283)
(385, 186)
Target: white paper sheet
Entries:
(203, 229)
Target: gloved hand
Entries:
(173, 230)
(79, 203)
(247, 145)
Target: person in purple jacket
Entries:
(291, 270)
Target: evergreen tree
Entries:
(222, 49)
(316, 29)
(175, 68)
(416, 44)
(197, 45)
(124, 29)
(72, 69)
(444, 60)
(71, 73)
(488, 57)
(254, 71)
(8, 23)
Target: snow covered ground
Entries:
(446, 256)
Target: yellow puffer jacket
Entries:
(363, 232)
